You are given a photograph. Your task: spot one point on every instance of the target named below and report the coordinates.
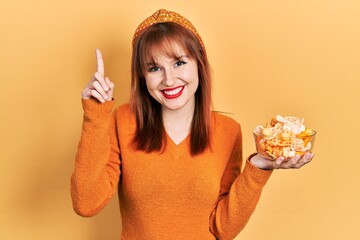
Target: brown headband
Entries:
(162, 16)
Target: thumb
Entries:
(110, 92)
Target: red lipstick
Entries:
(171, 93)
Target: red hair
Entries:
(150, 133)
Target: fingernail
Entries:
(106, 97)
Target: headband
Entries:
(162, 16)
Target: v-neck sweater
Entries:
(168, 194)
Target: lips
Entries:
(171, 93)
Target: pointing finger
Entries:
(100, 62)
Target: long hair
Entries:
(150, 132)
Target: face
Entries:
(173, 81)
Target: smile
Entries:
(173, 92)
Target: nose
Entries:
(169, 77)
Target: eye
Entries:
(179, 63)
(154, 69)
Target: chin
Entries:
(173, 107)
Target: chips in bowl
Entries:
(284, 137)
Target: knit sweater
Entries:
(169, 194)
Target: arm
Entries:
(239, 194)
(97, 163)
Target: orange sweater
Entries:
(168, 195)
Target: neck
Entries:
(177, 123)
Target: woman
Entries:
(176, 164)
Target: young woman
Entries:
(175, 163)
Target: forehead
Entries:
(165, 49)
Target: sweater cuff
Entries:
(94, 106)
(258, 175)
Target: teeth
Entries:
(173, 92)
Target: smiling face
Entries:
(170, 72)
(172, 78)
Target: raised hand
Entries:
(99, 87)
(281, 162)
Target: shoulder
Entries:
(124, 123)
(123, 115)
(123, 111)
(222, 121)
(225, 129)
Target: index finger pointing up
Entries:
(100, 62)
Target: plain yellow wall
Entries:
(273, 57)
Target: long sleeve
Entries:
(97, 164)
(239, 194)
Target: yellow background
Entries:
(273, 57)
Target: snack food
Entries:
(284, 136)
